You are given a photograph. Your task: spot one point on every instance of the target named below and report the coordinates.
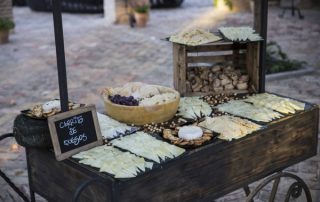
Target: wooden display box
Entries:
(241, 56)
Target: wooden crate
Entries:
(243, 56)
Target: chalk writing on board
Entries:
(75, 140)
(71, 122)
(74, 131)
(71, 125)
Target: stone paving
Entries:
(100, 55)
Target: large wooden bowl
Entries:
(140, 115)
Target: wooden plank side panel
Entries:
(175, 53)
(58, 181)
(257, 66)
(253, 64)
(224, 167)
(180, 68)
(213, 47)
(190, 94)
(209, 59)
(236, 53)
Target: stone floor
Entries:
(100, 55)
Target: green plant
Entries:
(278, 61)
(140, 6)
(226, 2)
(6, 24)
(142, 9)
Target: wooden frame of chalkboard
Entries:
(74, 131)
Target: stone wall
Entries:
(6, 9)
(116, 11)
(122, 10)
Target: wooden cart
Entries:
(201, 174)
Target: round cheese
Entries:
(49, 106)
(190, 132)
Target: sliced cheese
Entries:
(277, 103)
(111, 128)
(193, 108)
(143, 144)
(113, 161)
(246, 110)
(229, 127)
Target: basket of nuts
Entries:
(215, 68)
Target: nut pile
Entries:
(222, 98)
(217, 78)
(159, 127)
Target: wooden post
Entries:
(61, 63)
(236, 52)
(257, 15)
(252, 62)
(180, 68)
(261, 26)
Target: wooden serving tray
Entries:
(201, 174)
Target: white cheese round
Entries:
(49, 106)
(190, 132)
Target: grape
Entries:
(123, 100)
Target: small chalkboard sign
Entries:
(74, 131)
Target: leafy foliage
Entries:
(226, 2)
(278, 61)
(140, 6)
(6, 24)
(142, 9)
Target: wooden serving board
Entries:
(202, 174)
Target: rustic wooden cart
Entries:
(201, 174)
